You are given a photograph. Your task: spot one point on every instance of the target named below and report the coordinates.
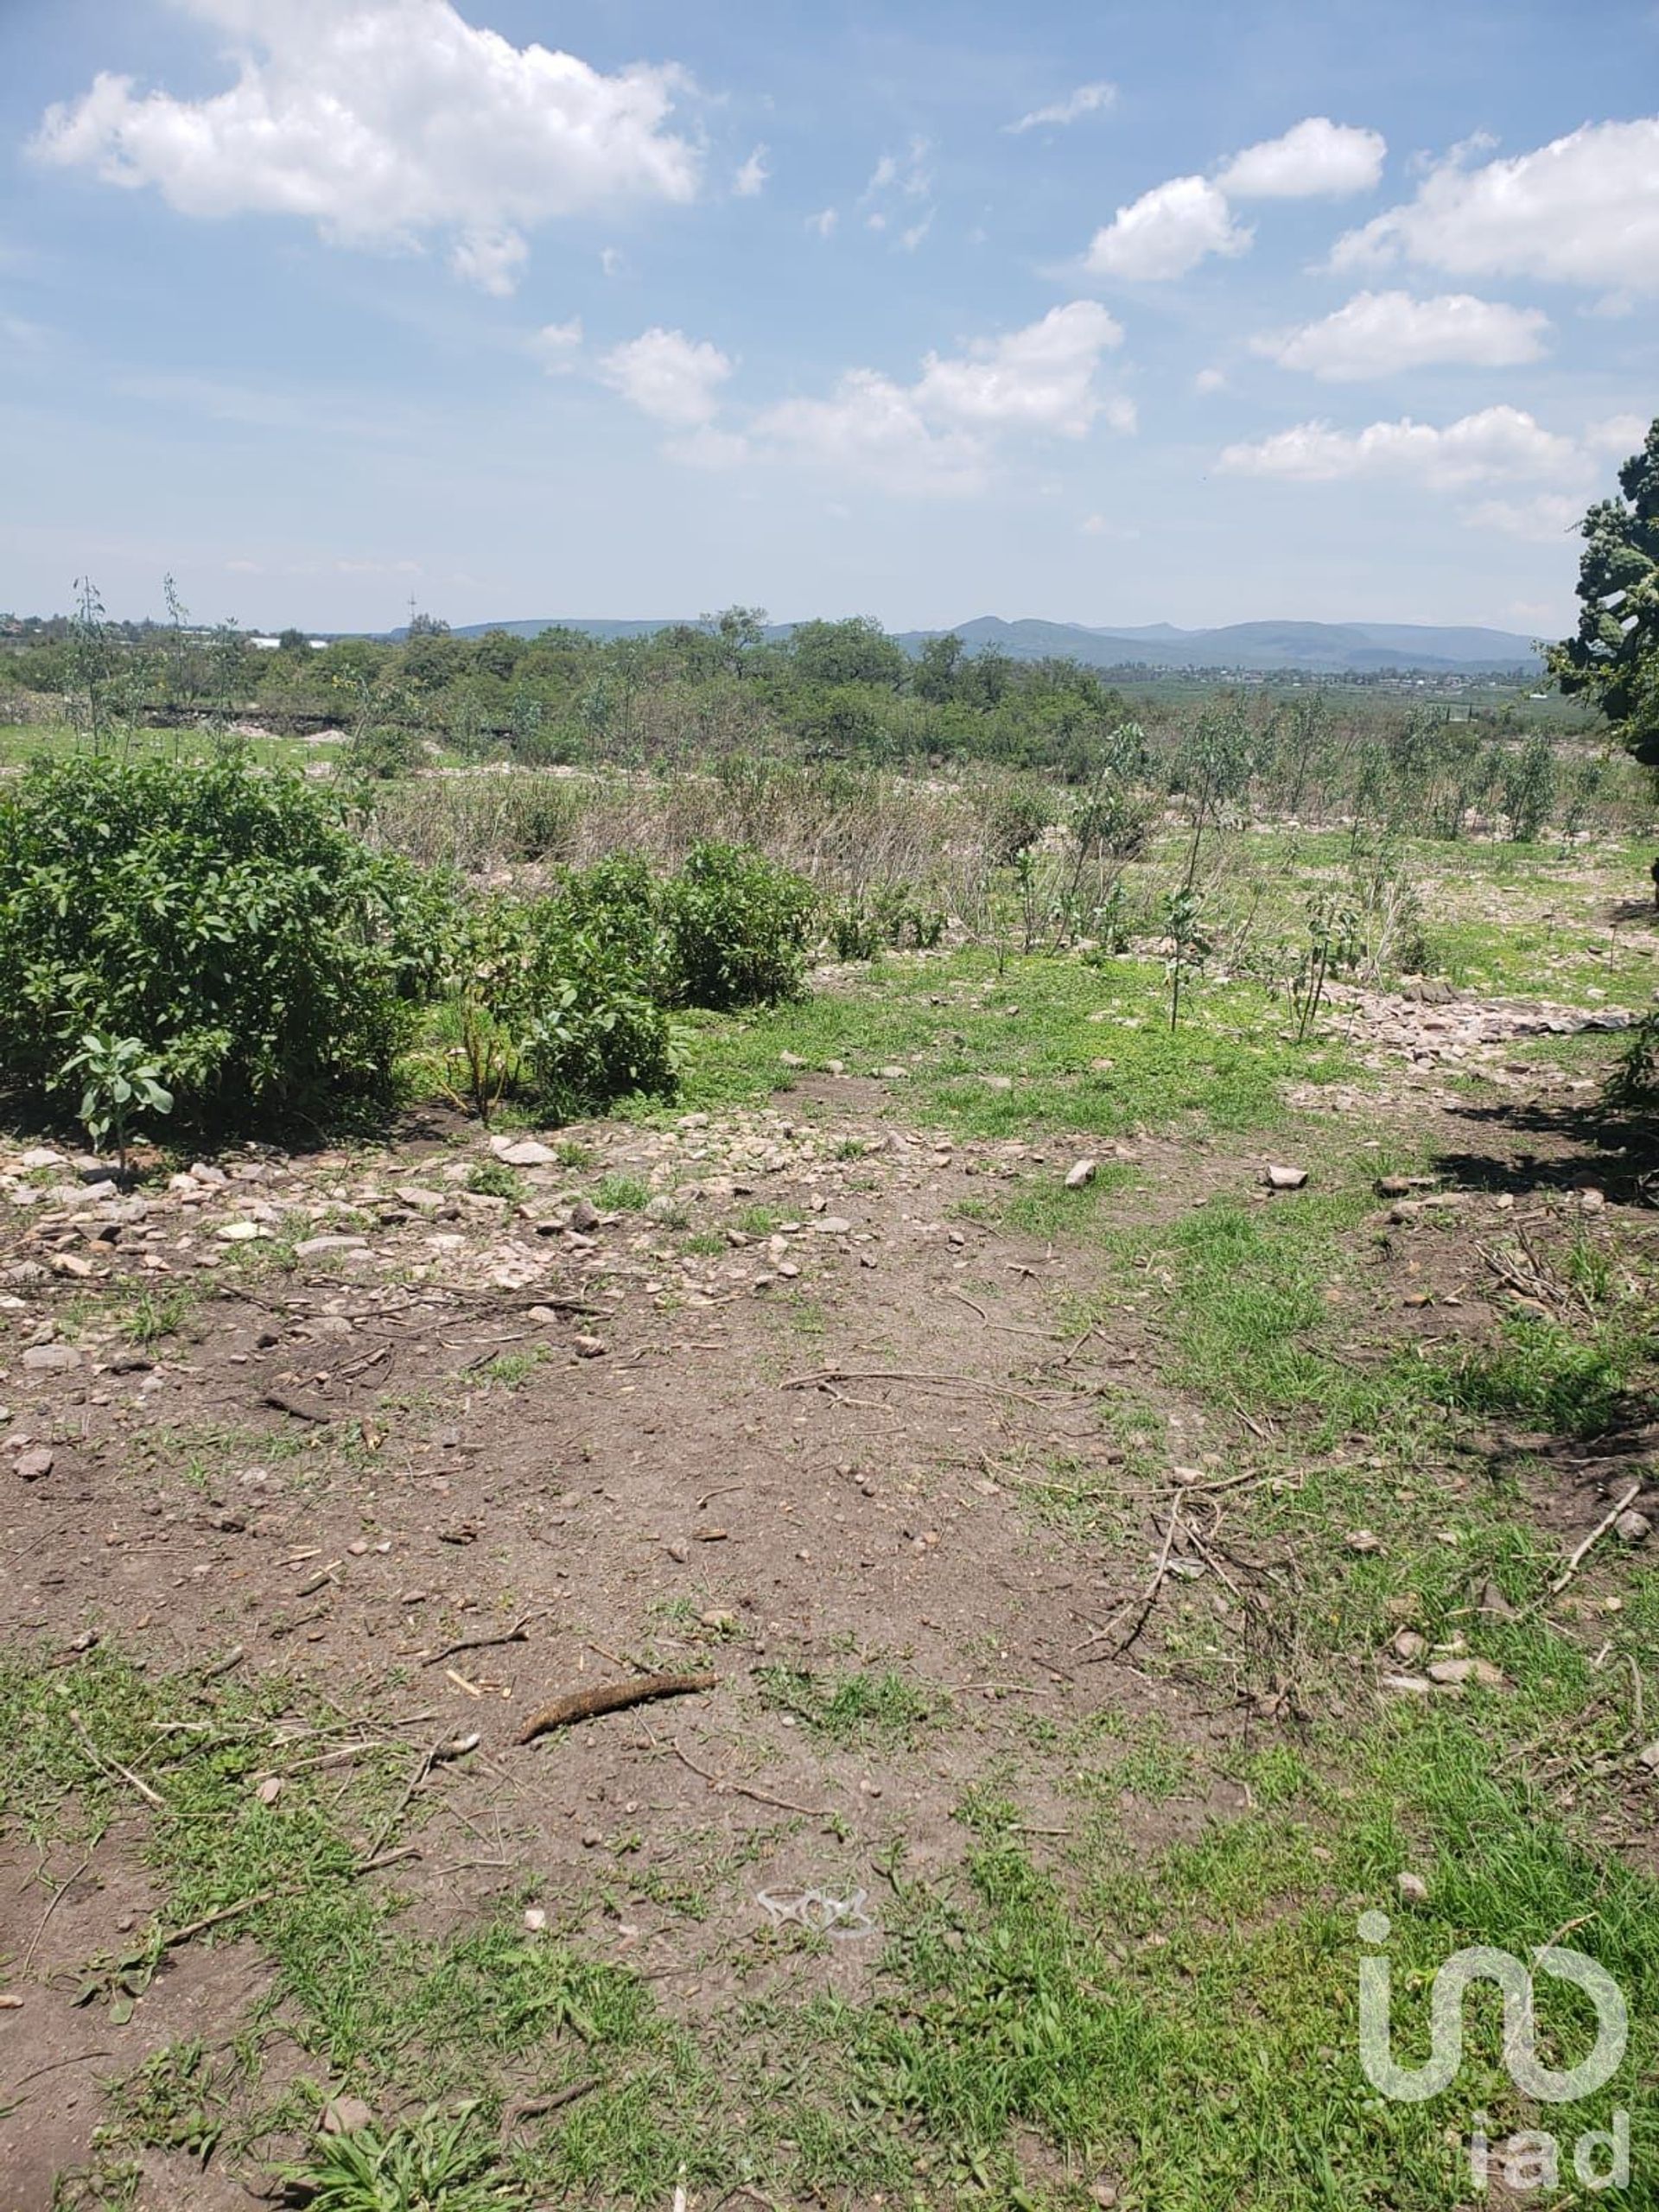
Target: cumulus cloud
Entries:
(1379, 334)
(939, 433)
(823, 222)
(386, 123)
(557, 345)
(1501, 444)
(1316, 159)
(1087, 99)
(1582, 210)
(751, 179)
(673, 378)
(1167, 231)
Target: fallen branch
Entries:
(610, 1697)
(721, 1784)
(833, 1374)
(308, 1409)
(1593, 1539)
(114, 1766)
(446, 1748)
(1149, 1597)
(519, 1633)
(524, 2108)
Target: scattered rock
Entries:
(832, 1224)
(34, 1466)
(584, 1216)
(1409, 1645)
(268, 1792)
(1454, 1673)
(1412, 1889)
(46, 1359)
(344, 2115)
(590, 1347)
(1649, 1757)
(527, 1153)
(1633, 1528)
(1285, 1178)
(314, 1247)
(1361, 1541)
(893, 1074)
(1083, 1172)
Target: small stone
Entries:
(270, 1790)
(71, 1264)
(344, 2115)
(1633, 1528)
(1103, 2193)
(718, 1618)
(584, 1216)
(1412, 1889)
(315, 1248)
(997, 1081)
(1285, 1178)
(591, 1839)
(590, 1347)
(1361, 1541)
(41, 1156)
(1409, 1646)
(1649, 1757)
(792, 1060)
(240, 1232)
(34, 1466)
(678, 1552)
(893, 1074)
(1454, 1673)
(1083, 1172)
(45, 1359)
(527, 1153)
(1408, 1685)
(832, 1224)
(535, 1919)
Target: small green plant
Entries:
(119, 1083)
(621, 1194)
(1189, 946)
(435, 2164)
(857, 1707)
(1333, 937)
(493, 1179)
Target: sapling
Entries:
(119, 1082)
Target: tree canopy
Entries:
(1614, 659)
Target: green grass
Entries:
(1226, 1068)
(860, 1706)
(621, 1194)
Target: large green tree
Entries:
(1614, 659)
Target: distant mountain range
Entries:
(1317, 648)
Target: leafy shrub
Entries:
(551, 998)
(221, 917)
(736, 927)
(890, 915)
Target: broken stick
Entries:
(610, 1697)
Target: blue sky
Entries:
(1108, 314)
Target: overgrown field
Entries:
(1095, 1312)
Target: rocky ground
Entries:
(440, 1429)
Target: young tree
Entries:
(1614, 659)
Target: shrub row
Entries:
(267, 966)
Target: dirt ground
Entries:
(461, 1452)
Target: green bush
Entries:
(736, 927)
(220, 916)
(552, 998)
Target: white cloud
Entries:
(1582, 210)
(752, 177)
(556, 344)
(1167, 232)
(384, 122)
(1087, 99)
(1544, 520)
(939, 433)
(1502, 443)
(668, 376)
(823, 222)
(1041, 378)
(1379, 334)
(1618, 436)
(897, 182)
(493, 260)
(1209, 380)
(1316, 159)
